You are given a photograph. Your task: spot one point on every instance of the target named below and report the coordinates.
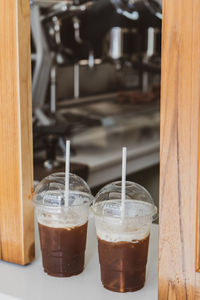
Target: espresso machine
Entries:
(87, 57)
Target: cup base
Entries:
(61, 275)
(125, 290)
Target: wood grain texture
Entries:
(197, 261)
(180, 95)
(16, 161)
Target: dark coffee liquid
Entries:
(123, 264)
(63, 249)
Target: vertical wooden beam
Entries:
(197, 261)
(16, 159)
(180, 97)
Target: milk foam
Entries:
(69, 220)
(135, 226)
(121, 232)
(115, 237)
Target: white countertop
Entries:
(31, 283)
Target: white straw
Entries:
(67, 169)
(123, 191)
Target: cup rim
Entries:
(87, 201)
(146, 217)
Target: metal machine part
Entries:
(153, 50)
(49, 50)
(127, 42)
(76, 23)
(155, 6)
(121, 43)
(76, 81)
(41, 58)
(128, 8)
(124, 43)
(63, 7)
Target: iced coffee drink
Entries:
(69, 259)
(123, 243)
(127, 274)
(63, 249)
(62, 230)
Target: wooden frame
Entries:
(179, 237)
(16, 159)
(179, 198)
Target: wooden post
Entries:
(179, 180)
(16, 159)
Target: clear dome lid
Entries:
(138, 203)
(50, 192)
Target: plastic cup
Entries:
(123, 242)
(62, 229)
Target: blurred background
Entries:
(96, 81)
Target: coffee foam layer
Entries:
(116, 234)
(135, 225)
(62, 220)
(61, 224)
